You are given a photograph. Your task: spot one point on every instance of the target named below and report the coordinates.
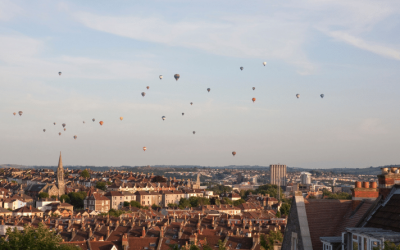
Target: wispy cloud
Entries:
(236, 36)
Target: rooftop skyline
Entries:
(109, 52)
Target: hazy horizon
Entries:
(109, 52)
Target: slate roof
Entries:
(387, 216)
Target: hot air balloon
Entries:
(59, 133)
(160, 77)
(163, 117)
(144, 148)
(14, 113)
(208, 89)
(64, 125)
(253, 99)
(101, 123)
(59, 73)
(121, 118)
(147, 87)
(194, 132)
(83, 122)
(75, 137)
(20, 113)
(233, 153)
(177, 76)
(183, 114)
(322, 95)
(93, 119)
(264, 63)
(54, 123)
(44, 130)
(143, 94)
(298, 96)
(254, 88)
(191, 103)
(241, 68)
(65, 129)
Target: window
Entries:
(294, 241)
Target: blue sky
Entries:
(109, 51)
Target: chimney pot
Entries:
(358, 184)
(373, 184)
(365, 184)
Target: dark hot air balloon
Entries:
(143, 94)
(194, 132)
(208, 89)
(322, 95)
(254, 88)
(44, 130)
(75, 137)
(163, 117)
(298, 96)
(233, 153)
(20, 113)
(93, 119)
(183, 114)
(191, 103)
(160, 77)
(176, 76)
(59, 73)
(241, 68)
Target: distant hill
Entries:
(13, 166)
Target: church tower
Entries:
(60, 177)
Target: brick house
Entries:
(97, 202)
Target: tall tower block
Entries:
(278, 174)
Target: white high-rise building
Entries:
(305, 178)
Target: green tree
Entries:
(198, 201)
(172, 205)
(184, 203)
(43, 195)
(54, 196)
(221, 245)
(65, 198)
(219, 189)
(154, 206)
(31, 238)
(267, 242)
(285, 209)
(226, 200)
(238, 202)
(77, 198)
(101, 185)
(116, 213)
(85, 174)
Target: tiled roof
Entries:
(81, 244)
(328, 217)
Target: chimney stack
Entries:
(366, 192)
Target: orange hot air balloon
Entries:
(14, 113)
(144, 148)
(101, 123)
(65, 129)
(234, 153)
(59, 133)
(121, 118)
(147, 87)
(253, 99)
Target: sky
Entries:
(109, 51)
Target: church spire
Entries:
(60, 162)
